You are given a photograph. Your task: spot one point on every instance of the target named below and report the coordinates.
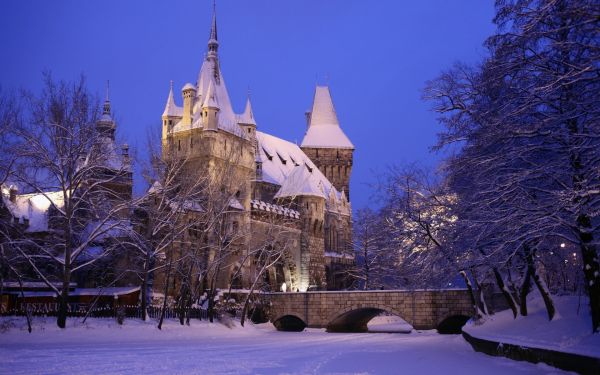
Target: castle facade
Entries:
(299, 192)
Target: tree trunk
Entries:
(27, 313)
(144, 287)
(591, 268)
(482, 303)
(164, 306)
(476, 311)
(247, 301)
(525, 289)
(61, 319)
(540, 285)
(505, 292)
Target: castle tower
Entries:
(325, 142)
(170, 115)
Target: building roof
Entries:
(286, 165)
(33, 207)
(248, 116)
(171, 109)
(324, 129)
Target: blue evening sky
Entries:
(375, 55)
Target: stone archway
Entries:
(355, 319)
(289, 323)
(452, 324)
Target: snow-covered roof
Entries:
(324, 129)
(286, 165)
(301, 182)
(171, 109)
(188, 86)
(210, 73)
(33, 207)
(248, 116)
(234, 203)
(210, 98)
(111, 156)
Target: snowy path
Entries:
(205, 349)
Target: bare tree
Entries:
(376, 259)
(63, 160)
(525, 123)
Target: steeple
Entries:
(213, 42)
(106, 125)
(106, 107)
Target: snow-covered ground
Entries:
(570, 331)
(102, 347)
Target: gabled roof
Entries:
(286, 165)
(324, 129)
(301, 182)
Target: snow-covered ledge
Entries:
(566, 342)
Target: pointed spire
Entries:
(170, 107)
(106, 107)
(248, 110)
(248, 116)
(213, 29)
(213, 43)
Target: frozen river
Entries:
(101, 348)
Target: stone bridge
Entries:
(350, 311)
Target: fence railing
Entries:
(126, 311)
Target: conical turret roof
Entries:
(324, 129)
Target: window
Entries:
(179, 145)
(191, 142)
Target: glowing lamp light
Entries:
(562, 245)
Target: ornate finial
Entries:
(249, 92)
(171, 85)
(107, 89)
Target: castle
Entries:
(303, 190)
(293, 199)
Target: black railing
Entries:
(126, 311)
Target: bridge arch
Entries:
(453, 323)
(290, 323)
(356, 318)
